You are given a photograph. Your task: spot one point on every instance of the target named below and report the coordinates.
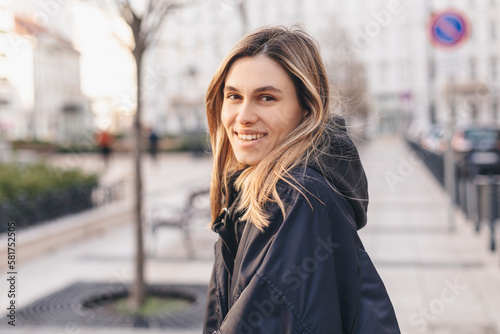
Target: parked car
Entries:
(417, 130)
(477, 150)
(435, 139)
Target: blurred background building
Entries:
(16, 78)
(379, 55)
(66, 68)
(42, 97)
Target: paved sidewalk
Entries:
(440, 283)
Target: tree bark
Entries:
(138, 290)
(152, 19)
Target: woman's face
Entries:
(260, 107)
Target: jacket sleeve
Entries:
(298, 289)
(211, 309)
(376, 312)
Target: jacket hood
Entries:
(342, 166)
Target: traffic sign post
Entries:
(448, 30)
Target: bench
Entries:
(197, 203)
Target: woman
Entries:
(288, 194)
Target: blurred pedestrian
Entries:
(153, 143)
(104, 142)
(288, 194)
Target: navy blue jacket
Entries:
(306, 273)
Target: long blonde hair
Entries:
(298, 54)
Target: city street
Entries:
(101, 78)
(439, 282)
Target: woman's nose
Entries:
(246, 114)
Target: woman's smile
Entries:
(250, 137)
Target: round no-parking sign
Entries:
(448, 28)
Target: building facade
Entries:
(61, 112)
(40, 83)
(16, 79)
(395, 71)
(408, 79)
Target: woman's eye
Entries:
(267, 98)
(233, 97)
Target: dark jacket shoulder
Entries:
(307, 184)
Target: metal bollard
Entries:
(495, 182)
(470, 199)
(462, 194)
(487, 187)
(482, 185)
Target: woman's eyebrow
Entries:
(267, 89)
(230, 88)
(257, 90)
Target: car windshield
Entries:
(482, 135)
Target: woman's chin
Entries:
(249, 160)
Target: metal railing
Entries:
(476, 195)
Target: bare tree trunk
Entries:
(138, 291)
(156, 11)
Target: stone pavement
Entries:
(440, 282)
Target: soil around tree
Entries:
(157, 302)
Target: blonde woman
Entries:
(288, 195)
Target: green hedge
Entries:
(34, 180)
(32, 194)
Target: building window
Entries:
(494, 69)
(473, 111)
(432, 112)
(472, 68)
(494, 109)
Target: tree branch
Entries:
(157, 11)
(150, 7)
(125, 10)
(156, 20)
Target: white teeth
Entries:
(250, 137)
